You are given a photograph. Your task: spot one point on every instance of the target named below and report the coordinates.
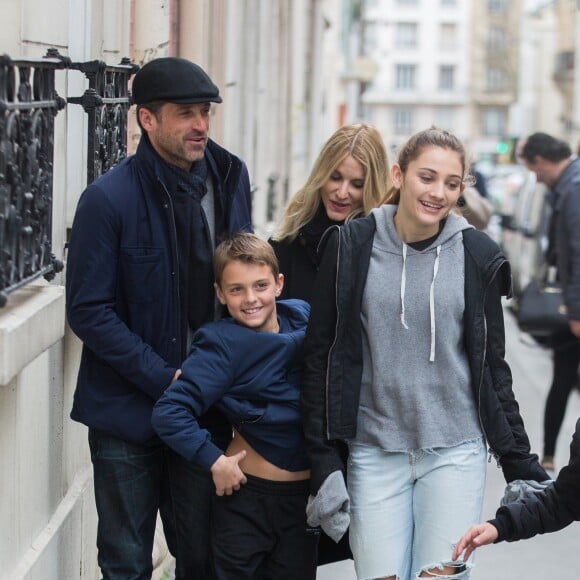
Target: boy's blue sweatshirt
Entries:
(253, 378)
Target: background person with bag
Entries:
(541, 308)
(552, 161)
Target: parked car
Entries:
(524, 236)
(503, 183)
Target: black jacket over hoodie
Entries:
(333, 352)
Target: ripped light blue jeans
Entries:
(408, 510)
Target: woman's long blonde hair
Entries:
(361, 141)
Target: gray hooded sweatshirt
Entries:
(416, 384)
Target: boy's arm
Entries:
(550, 510)
(537, 513)
(206, 375)
(547, 511)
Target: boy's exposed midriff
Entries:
(254, 464)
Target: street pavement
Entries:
(551, 556)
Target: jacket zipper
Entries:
(335, 338)
(176, 265)
(228, 171)
(492, 453)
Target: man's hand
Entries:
(176, 375)
(574, 327)
(227, 475)
(476, 536)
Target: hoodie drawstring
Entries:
(431, 298)
(403, 281)
(432, 305)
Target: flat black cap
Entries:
(174, 80)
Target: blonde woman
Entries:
(348, 179)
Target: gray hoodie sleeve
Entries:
(330, 507)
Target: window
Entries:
(407, 2)
(403, 121)
(445, 118)
(446, 77)
(497, 38)
(405, 76)
(496, 79)
(370, 37)
(406, 35)
(495, 6)
(448, 2)
(448, 35)
(493, 122)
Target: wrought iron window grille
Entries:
(29, 104)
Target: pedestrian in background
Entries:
(552, 162)
(404, 361)
(541, 512)
(480, 182)
(139, 282)
(349, 178)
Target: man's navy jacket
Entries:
(123, 288)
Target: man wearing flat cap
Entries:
(139, 283)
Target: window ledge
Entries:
(32, 321)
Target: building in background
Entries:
(494, 54)
(539, 103)
(565, 64)
(424, 66)
(491, 71)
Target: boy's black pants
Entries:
(260, 532)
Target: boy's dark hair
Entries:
(246, 248)
(545, 146)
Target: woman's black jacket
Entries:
(547, 511)
(298, 262)
(333, 352)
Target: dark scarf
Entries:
(310, 234)
(194, 244)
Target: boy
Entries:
(549, 510)
(249, 366)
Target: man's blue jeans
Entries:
(132, 483)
